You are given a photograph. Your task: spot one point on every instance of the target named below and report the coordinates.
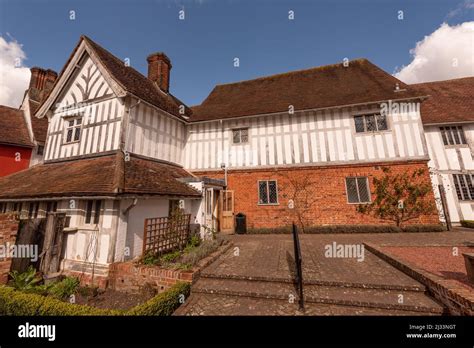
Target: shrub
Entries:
(424, 228)
(467, 223)
(64, 288)
(149, 258)
(206, 248)
(170, 257)
(26, 280)
(14, 302)
(165, 303)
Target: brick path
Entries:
(254, 278)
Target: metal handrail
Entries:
(299, 270)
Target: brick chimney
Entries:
(159, 67)
(41, 83)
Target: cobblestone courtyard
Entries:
(255, 277)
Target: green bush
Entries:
(14, 302)
(64, 288)
(467, 223)
(165, 303)
(350, 229)
(26, 280)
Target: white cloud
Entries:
(14, 76)
(445, 54)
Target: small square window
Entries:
(267, 192)
(370, 123)
(453, 135)
(73, 130)
(240, 136)
(358, 189)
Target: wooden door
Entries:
(227, 211)
(209, 204)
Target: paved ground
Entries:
(255, 277)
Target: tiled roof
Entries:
(135, 83)
(39, 125)
(106, 175)
(326, 86)
(13, 127)
(449, 101)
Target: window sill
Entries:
(373, 132)
(70, 229)
(457, 146)
(268, 204)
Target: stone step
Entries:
(417, 288)
(414, 301)
(228, 305)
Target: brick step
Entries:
(414, 301)
(415, 288)
(229, 305)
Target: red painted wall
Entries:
(8, 159)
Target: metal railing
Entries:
(299, 270)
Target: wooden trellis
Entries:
(165, 234)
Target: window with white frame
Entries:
(370, 123)
(358, 189)
(267, 192)
(453, 135)
(73, 130)
(464, 186)
(92, 212)
(240, 136)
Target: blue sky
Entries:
(203, 46)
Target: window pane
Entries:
(359, 124)
(443, 134)
(262, 192)
(449, 135)
(462, 182)
(457, 186)
(381, 122)
(97, 211)
(244, 135)
(70, 123)
(272, 192)
(370, 123)
(351, 187)
(457, 139)
(470, 186)
(77, 133)
(78, 120)
(461, 135)
(236, 136)
(69, 135)
(364, 193)
(89, 211)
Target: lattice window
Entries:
(358, 189)
(464, 186)
(370, 123)
(453, 135)
(240, 136)
(267, 192)
(73, 130)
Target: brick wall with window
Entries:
(334, 200)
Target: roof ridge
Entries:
(441, 81)
(359, 60)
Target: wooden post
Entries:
(52, 244)
(444, 203)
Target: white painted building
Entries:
(448, 118)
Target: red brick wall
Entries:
(327, 186)
(8, 232)
(8, 156)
